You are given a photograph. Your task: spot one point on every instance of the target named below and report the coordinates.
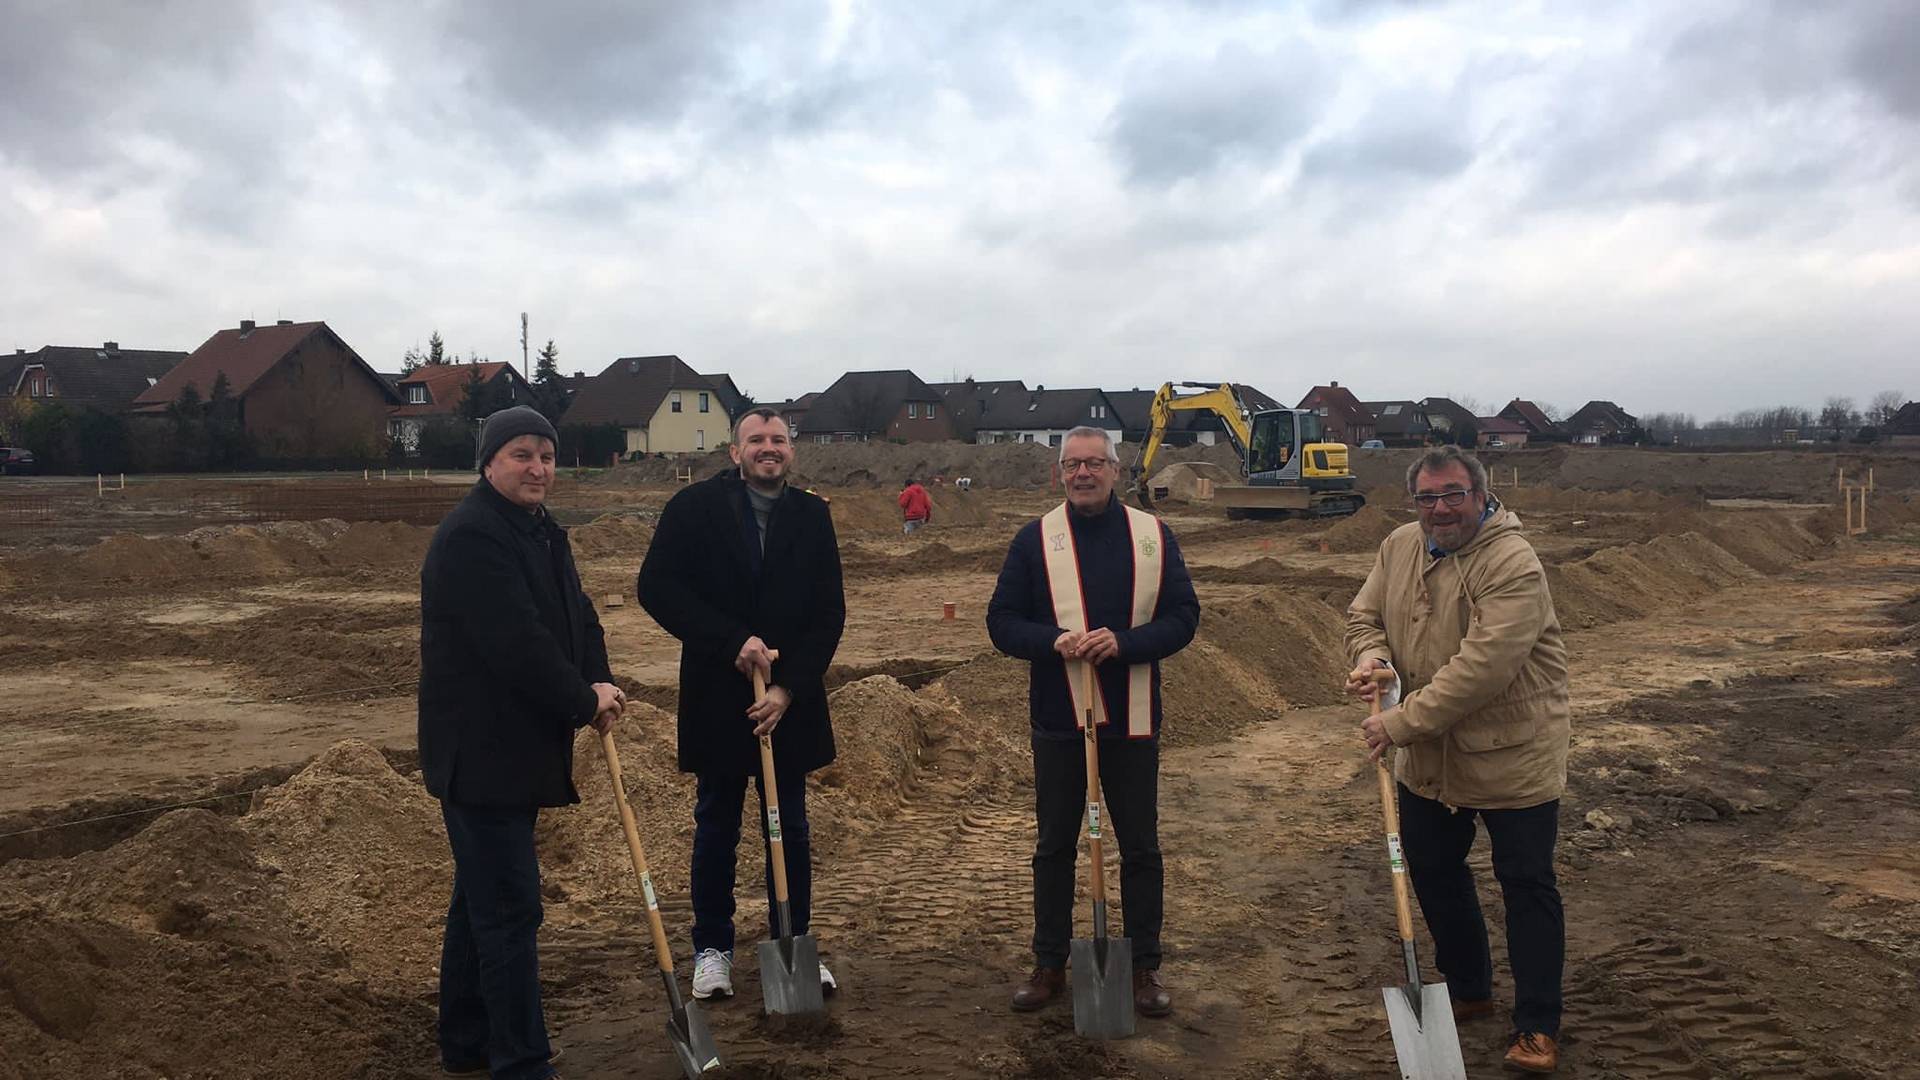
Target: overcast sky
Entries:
(1701, 206)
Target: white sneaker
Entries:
(713, 974)
(827, 985)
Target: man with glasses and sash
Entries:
(1457, 609)
(1096, 582)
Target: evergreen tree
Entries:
(549, 387)
(436, 350)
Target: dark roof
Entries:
(108, 378)
(1601, 416)
(245, 354)
(1446, 414)
(973, 404)
(852, 403)
(1906, 421)
(446, 385)
(1530, 415)
(1397, 419)
(1500, 425)
(731, 399)
(629, 391)
(1341, 400)
(1050, 410)
(1134, 407)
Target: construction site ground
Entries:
(217, 860)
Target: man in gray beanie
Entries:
(512, 663)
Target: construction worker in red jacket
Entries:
(915, 506)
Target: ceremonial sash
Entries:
(1070, 607)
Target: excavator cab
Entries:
(1289, 469)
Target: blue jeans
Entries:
(489, 972)
(718, 802)
(1437, 840)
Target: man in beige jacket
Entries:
(1457, 607)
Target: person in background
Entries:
(916, 508)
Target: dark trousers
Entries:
(1436, 841)
(718, 802)
(489, 971)
(1130, 786)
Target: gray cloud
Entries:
(1185, 118)
(1405, 137)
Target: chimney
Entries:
(1334, 384)
(246, 326)
(110, 346)
(579, 374)
(284, 322)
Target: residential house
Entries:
(1399, 423)
(794, 412)
(106, 379)
(731, 398)
(1446, 416)
(1187, 427)
(1343, 419)
(1601, 422)
(437, 392)
(864, 405)
(1045, 416)
(303, 393)
(1500, 431)
(1903, 429)
(664, 406)
(1539, 427)
(969, 402)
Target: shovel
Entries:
(692, 1042)
(789, 967)
(1103, 966)
(1421, 1017)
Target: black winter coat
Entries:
(509, 650)
(699, 583)
(1020, 618)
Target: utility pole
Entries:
(523, 343)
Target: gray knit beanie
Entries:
(509, 424)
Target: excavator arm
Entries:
(1220, 400)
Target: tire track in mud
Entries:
(1656, 1009)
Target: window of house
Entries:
(1053, 440)
(703, 401)
(673, 401)
(416, 395)
(33, 386)
(913, 410)
(1322, 410)
(823, 438)
(930, 409)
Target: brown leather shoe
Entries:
(1465, 1011)
(1534, 1053)
(1041, 987)
(1149, 997)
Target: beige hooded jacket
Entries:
(1483, 720)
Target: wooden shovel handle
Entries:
(662, 952)
(779, 851)
(1390, 813)
(1092, 738)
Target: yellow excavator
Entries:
(1288, 469)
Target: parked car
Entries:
(17, 461)
(1373, 444)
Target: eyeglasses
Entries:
(1428, 501)
(1093, 465)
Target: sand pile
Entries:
(918, 558)
(583, 853)
(612, 535)
(1184, 480)
(379, 543)
(1767, 541)
(1362, 532)
(363, 860)
(235, 552)
(1633, 580)
(1335, 589)
(1292, 642)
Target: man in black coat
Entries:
(1094, 582)
(512, 663)
(745, 570)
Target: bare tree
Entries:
(1885, 404)
(1837, 414)
(1468, 402)
(1667, 427)
(1549, 410)
(870, 410)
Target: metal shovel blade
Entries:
(790, 985)
(692, 1042)
(1102, 987)
(1426, 1043)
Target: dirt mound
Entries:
(612, 535)
(1292, 642)
(379, 543)
(1633, 580)
(1768, 541)
(1191, 481)
(1335, 589)
(235, 552)
(860, 512)
(364, 861)
(583, 853)
(1362, 532)
(931, 557)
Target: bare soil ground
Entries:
(1742, 900)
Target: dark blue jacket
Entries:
(509, 648)
(1020, 618)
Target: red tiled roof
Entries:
(445, 384)
(244, 354)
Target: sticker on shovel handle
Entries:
(773, 824)
(1394, 858)
(1093, 821)
(646, 887)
